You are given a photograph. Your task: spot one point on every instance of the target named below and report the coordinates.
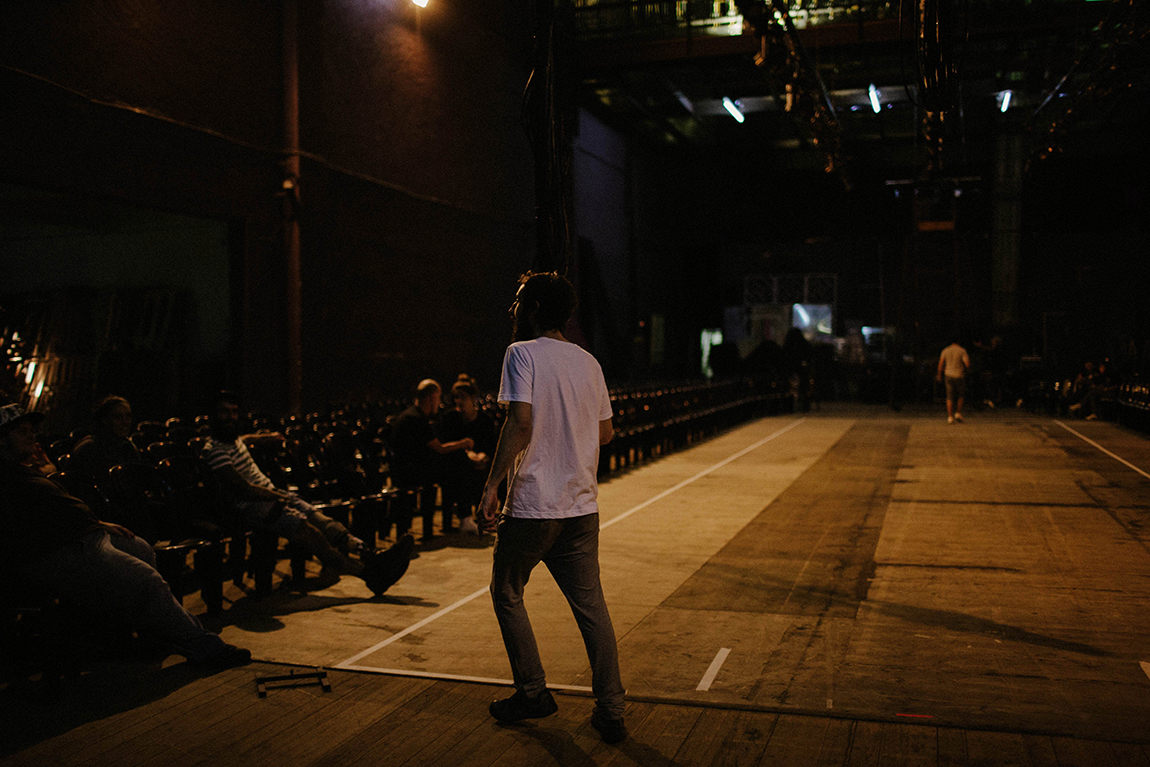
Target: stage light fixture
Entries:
(874, 102)
(1004, 100)
(733, 109)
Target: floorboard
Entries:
(796, 741)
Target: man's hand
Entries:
(513, 439)
(487, 515)
(115, 529)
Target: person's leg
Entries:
(520, 546)
(114, 575)
(959, 396)
(427, 509)
(574, 562)
(404, 505)
(333, 530)
(451, 503)
(302, 532)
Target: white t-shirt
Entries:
(955, 361)
(555, 476)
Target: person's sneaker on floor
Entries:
(384, 568)
(610, 730)
(950, 419)
(356, 545)
(468, 526)
(958, 417)
(519, 707)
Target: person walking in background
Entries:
(952, 366)
(559, 413)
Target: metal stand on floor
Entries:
(292, 679)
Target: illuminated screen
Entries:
(814, 320)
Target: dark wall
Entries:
(416, 183)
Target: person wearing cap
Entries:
(54, 541)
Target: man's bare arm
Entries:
(450, 447)
(513, 438)
(263, 438)
(606, 431)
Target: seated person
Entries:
(465, 471)
(108, 444)
(53, 540)
(414, 454)
(1100, 386)
(260, 505)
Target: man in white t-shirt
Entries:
(952, 366)
(559, 413)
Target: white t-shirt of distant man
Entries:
(955, 361)
(555, 476)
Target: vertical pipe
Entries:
(291, 191)
(1006, 235)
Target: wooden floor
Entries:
(370, 719)
(880, 589)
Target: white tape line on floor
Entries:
(349, 663)
(713, 671)
(1104, 450)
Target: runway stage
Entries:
(853, 563)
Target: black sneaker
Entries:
(610, 730)
(383, 569)
(519, 707)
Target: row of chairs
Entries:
(339, 461)
(654, 421)
(1133, 402)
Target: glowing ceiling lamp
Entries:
(420, 3)
(1004, 100)
(733, 109)
(874, 102)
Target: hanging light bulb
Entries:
(874, 102)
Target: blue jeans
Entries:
(570, 549)
(116, 576)
(296, 511)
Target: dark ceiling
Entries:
(1076, 70)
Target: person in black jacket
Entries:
(415, 455)
(55, 542)
(465, 471)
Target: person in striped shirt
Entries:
(260, 505)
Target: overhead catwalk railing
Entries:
(680, 18)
